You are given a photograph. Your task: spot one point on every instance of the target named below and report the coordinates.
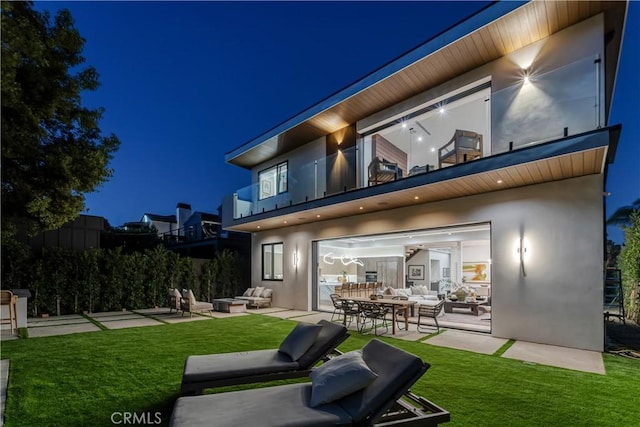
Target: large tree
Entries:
(53, 151)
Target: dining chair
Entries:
(373, 313)
(400, 312)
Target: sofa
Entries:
(413, 293)
(257, 297)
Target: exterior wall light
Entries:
(522, 254)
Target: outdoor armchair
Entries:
(189, 304)
(291, 360)
(359, 388)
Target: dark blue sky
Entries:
(183, 83)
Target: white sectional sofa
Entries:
(414, 293)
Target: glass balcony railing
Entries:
(544, 107)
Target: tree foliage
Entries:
(629, 262)
(622, 216)
(53, 151)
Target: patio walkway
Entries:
(581, 360)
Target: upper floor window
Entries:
(272, 261)
(273, 181)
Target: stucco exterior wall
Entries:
(559, 302)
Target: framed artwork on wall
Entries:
(476, 271)
(416, 272)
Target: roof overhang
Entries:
(492, 33)
(571, 157)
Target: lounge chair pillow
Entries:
(248, 292)
(258, 291)
(340, 377)
(266, 293)
(176, 294)
(299, 340)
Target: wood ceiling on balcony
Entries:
(525, 25)
(572, 165)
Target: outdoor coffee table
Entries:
(229, 305)
(450, 305)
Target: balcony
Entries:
(480, 134)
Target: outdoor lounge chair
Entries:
(378, 403)
(218, 370)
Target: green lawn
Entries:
(83, 379)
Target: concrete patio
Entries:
(581, 360)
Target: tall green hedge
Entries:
(629, 263)
(64, 281)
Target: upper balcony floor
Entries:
(531, 111)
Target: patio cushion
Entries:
(286, 405)
(266, 293)
(248, 292)
(230, 365)
(299, 340)
(328, 338)
(397, 370)
(258, 291)
(340, 377)
(192, 298)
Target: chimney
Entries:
(183, 212)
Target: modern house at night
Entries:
(479, 157)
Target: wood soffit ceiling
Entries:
(525, 25)
(572, 165)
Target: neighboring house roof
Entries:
(161, 218)
(204, 216)
(495, 31)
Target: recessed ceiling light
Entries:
(404, 125)
(499, 181)
(285, 222)
(361, 207)
(416, 197)
(318, 216)
(441, 110)
(419, 138)
(258, 227)
(433, 149)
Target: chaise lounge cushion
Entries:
(230, 365)
(339, 377)
(286, 405)
(299, 340)
(397, 371)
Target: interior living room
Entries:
(452, 263)
(442, 132)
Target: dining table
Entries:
(387, 302)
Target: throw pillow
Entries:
(340, 377)
(299, 340)
(258, 291)
(425, 290)
(248, 292)
(402, 293)
(416, 290)
(176, 294)
(267, 293)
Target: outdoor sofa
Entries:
(305, 346)
(359, 388)
(257, 297)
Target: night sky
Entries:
(184, 83)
